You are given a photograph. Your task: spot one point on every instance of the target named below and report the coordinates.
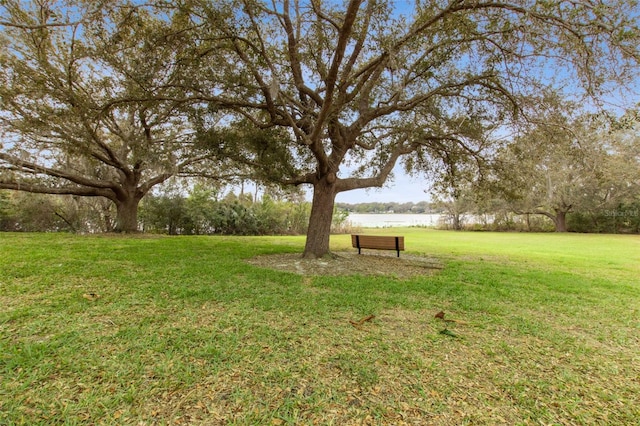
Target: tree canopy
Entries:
(365, 85)
(87, 107)
(336, 94)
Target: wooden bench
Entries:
(377, 242)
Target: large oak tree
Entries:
(357, 87)
(565, 164)
(86, 103)
(363, 86)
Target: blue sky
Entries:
(402, 189)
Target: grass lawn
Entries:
(184, 331)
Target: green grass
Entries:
(186, 332)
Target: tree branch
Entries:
(31, 167)
(68, 190)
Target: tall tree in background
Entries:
(620, 167)
(548, 171)
(565, 164)
(362, 86)
(86, 103)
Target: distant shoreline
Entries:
(388, 220)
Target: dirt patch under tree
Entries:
(350, 263)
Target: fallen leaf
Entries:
(357, 324)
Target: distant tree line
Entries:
(390, 207)
(567, 172)
(200, 214)
(621, 219)
(496, 215)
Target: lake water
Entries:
(388, 220)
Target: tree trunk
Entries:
(559, 218)
(127, 215)
(561, 221)
(457, 223)
(319, 231)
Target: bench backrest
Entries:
(381, 242)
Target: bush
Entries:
(200, 213)
(623, 219)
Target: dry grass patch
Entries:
(350, 263)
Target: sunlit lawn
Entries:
(183, 331)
